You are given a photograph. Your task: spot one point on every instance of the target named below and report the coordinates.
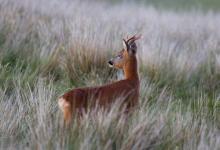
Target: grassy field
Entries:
(49, 47)
(175, 5)
(205, 5)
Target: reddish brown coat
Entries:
(127, 90)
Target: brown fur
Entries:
(78, 100)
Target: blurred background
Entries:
(50, 47)
(178, 5)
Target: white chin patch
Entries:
(110, 65)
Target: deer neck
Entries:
(131, 69)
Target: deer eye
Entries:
(119, 56)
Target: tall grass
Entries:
(49, 47)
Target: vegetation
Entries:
(205, 5)
(48, 47)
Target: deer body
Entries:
(78, 100)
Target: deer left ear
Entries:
(125, 45)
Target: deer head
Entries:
(126, 54)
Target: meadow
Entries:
(49, 47)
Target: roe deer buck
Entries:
(78, 100)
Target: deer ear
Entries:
(125, 45)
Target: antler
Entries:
(127, 43)
(134, 38)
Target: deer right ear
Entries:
(125, 45)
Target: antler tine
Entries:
(134, 38)
(130, 38)
(137, 37)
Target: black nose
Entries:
(110, 62)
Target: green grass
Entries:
(185, 5)
(177, 5)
